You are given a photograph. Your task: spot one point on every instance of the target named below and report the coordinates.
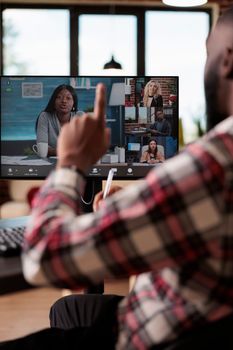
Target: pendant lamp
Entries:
(112, 64)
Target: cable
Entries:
(92, 195)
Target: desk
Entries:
(136, 133)
(11, 275)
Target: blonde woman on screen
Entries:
(152, 94)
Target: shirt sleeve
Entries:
(42, 128)
(144, 157)
(168, 128)
(160, 101)
(159, 222)
(160, 157)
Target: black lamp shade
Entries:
(112, 64)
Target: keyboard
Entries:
(11, 240)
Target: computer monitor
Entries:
(133, 114)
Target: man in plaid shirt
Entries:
(174, 229)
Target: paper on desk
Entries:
(22, 160)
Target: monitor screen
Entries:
(142, 113)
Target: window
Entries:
(100, 37)
(36, 42)
(169, 51)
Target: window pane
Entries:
(175, 45)
(100, 37)
(36, 42)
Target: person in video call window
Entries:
(161, 127)
(152, 155)
(152, 94)
(62, 106)
(173, 230)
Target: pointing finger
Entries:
(99, 109)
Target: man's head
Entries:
(160, 115)
(219, 70)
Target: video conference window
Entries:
(140, 112)
(154, 120)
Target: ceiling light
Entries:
(184, 3)
(112, 64)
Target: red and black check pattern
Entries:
(174, 230)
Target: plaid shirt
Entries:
(174, 230)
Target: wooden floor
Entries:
(25, 312)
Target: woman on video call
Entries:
(152, 94)
(152, 155)
(61, 107)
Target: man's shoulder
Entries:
(226, 126)
(220, 131)
(219, 142)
